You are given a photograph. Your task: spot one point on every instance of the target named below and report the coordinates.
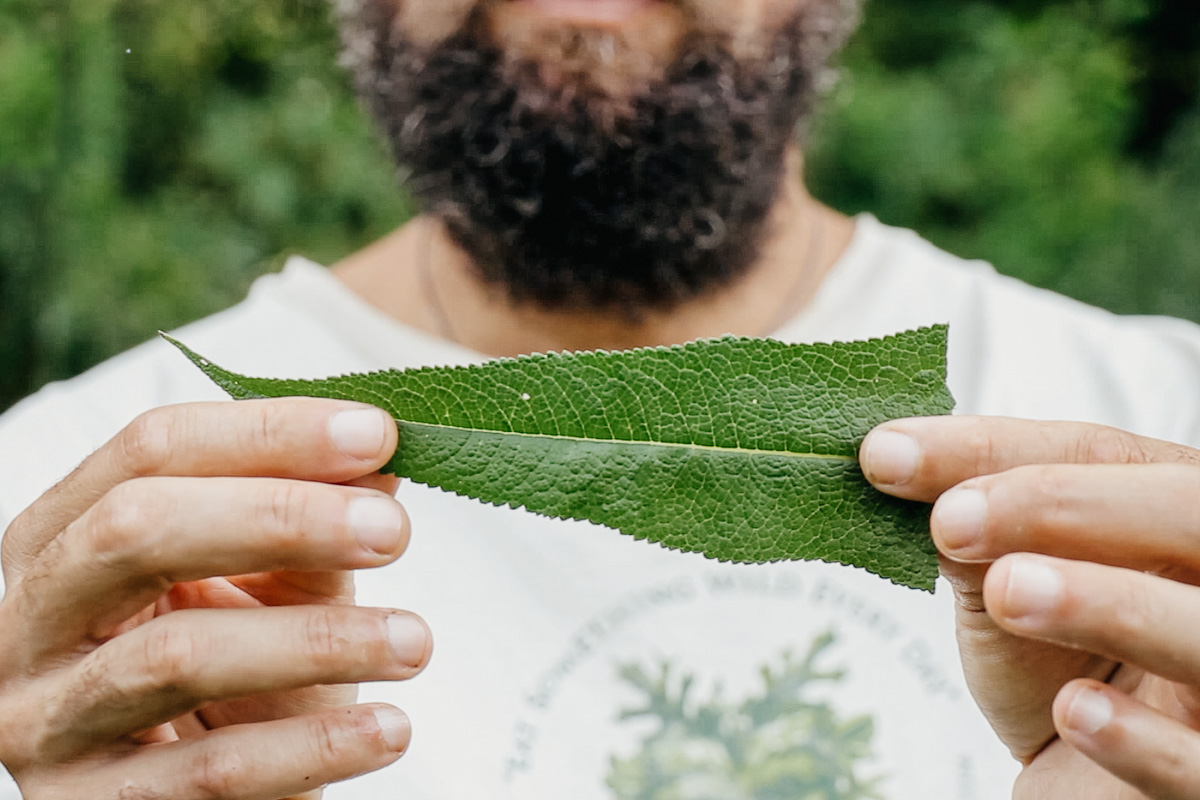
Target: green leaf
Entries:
(741, 449)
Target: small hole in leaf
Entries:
(526, 396)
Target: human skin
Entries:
(1071, 550)
(116, 577)
(130, 667)
(805, 238)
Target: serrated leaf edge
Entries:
(913, 583)
(206, 364)
(208, 367)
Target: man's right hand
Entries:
(132, 666)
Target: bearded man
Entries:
(180, 619)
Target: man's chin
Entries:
(628, 184)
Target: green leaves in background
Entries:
(1057, 139)
(155, 157)
(741, 449)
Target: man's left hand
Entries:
(1074, 555)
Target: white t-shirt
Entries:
(573, 662)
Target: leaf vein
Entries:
(636, 443)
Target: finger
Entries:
(1144, 516)
(264, 761)
(1031, 671)
(1147, 749)
(182, 661)
(253, 591)
(388, 484)
(921, 458)
(294, 588)
(150, 533)
(1126, 616)
(310, 439)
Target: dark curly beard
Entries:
(569, 198)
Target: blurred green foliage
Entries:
(1058, 139)
(156, 156)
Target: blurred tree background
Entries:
(155, 156)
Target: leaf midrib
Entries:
(680, 445)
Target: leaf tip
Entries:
(192, 355)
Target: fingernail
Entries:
(377, 523)
(1089, 712)
(1034, 589)
(395, 727)
(359, 433)
(890, 458)
(408, 638)
(959, 518)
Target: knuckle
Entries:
(1046, 483)
(327, 638)
(285, 507)
(118, 525)
(1177, 765)
(146, 443)
(89, 691)
(28, 737)
(968, 598)
(1170, 766)
(984, 444)
(10, 540)
(1033, 501)
(1133, 613)
(967, 583)
(1111, 446)
(135, 792)
(968, 592)
(218, 772)
(266, 429)
(326, 740)
(1184, 455)
(170, 655)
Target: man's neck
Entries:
(420, 277)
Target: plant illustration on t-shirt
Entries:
(781, 744)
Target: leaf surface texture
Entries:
(744, 450)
